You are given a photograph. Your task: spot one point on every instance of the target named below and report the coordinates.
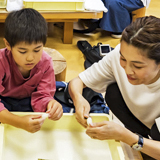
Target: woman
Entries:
(130, 75)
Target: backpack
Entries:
(92, 54)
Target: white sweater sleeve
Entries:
(158, 123)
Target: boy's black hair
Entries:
(26, 25)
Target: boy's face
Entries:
(26, 55)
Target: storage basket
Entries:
(63, 139)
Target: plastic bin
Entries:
(3, 3)
(58, 5)
(64, 139)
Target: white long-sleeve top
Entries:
(142, 100)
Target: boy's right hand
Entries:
(32, 123)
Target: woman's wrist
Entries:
(128, 137)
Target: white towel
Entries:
(158, 123)
(13, 5)
(95, 5)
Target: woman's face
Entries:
(139, 69)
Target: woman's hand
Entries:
(82, 110)
(82, 106)
(105, 130)
(110, 130)
(55, 110)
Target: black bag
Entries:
(91, 53)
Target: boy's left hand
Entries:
(54, 109)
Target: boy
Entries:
(27, 80)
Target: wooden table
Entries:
(68, 17)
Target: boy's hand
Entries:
(32, 123)
(55, 110)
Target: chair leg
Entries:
(68, 32)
